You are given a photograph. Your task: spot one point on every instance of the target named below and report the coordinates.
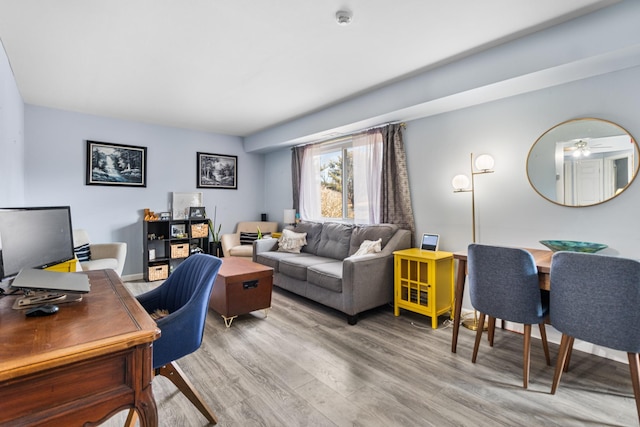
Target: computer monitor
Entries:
(34, 237)
(430, 242)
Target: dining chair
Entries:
(185, 297)
(595, 298)
(503, 284)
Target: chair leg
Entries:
(476, 346)
(526, 353)
(565, 344)
(177, 377)
(566, 362)
(132, 417)
(491, 330)
(634, 367)
(545, 344)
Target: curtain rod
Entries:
(350, 135)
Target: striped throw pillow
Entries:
(83, 252)
(247, 238)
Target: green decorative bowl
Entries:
(573, 246)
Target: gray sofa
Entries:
(326, 269)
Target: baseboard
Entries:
(132, 277)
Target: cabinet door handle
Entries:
(250, 284)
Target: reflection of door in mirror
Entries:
(593, 170)
(582, 162)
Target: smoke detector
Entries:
(344, 17)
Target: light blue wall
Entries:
(438, 146)
(55, 164)
(11, 137)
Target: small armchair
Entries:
(503, 284)
(185, 297)
(232, 244)
(99, 255)
(595, 298)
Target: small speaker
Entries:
(263, 217)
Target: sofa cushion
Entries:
(296, 266)
(334, 240)
(327, 275)
(272, 258)
(99, 264)
(371, 232)
(292, 242)
(313, 230)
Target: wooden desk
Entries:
(81, 365)
(543, 262)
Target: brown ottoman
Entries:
(242, 286)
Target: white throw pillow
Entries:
(369, 247)
(291, 241)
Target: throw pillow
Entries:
(247, 238)
(369, 247)
(83, 252)
(291, 241)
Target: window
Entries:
(336, 182)
(340, 180)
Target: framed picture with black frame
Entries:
(217, 171)
(196, 212)
(116, 164)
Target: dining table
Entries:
(543, 262)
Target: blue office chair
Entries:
(503, 284)
(185, 295)
(595, 298)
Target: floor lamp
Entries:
(483, 164)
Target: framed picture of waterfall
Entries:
(116, 164)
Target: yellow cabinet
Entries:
(423, 282)
(65, 267)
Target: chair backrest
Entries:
(185, 294)
(252, 226)
(80, 237)
(596, 298)
(503, 282)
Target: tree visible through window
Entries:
(336, 181)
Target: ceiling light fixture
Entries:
(344, 17)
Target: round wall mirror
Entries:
(582, 162)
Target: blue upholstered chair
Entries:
(503, 284)
(185, 295)
(596, 298)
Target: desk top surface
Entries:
(107, 319)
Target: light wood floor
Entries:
(304, 365)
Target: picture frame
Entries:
(165, 216)
(116, 164)
(178, 231)
(181, 202)
(217, 171)
(196, 212)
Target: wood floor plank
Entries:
(303, 365)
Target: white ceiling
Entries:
(240, 66)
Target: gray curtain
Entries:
(396, 197)
(296, 172)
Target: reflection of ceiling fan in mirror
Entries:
(583, 147)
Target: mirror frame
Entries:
(551, 139)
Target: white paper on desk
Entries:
(45, 279)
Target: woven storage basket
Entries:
(199, 230)
(158, 272)
(180, 250)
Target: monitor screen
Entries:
(430, 242)
(34, 238)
